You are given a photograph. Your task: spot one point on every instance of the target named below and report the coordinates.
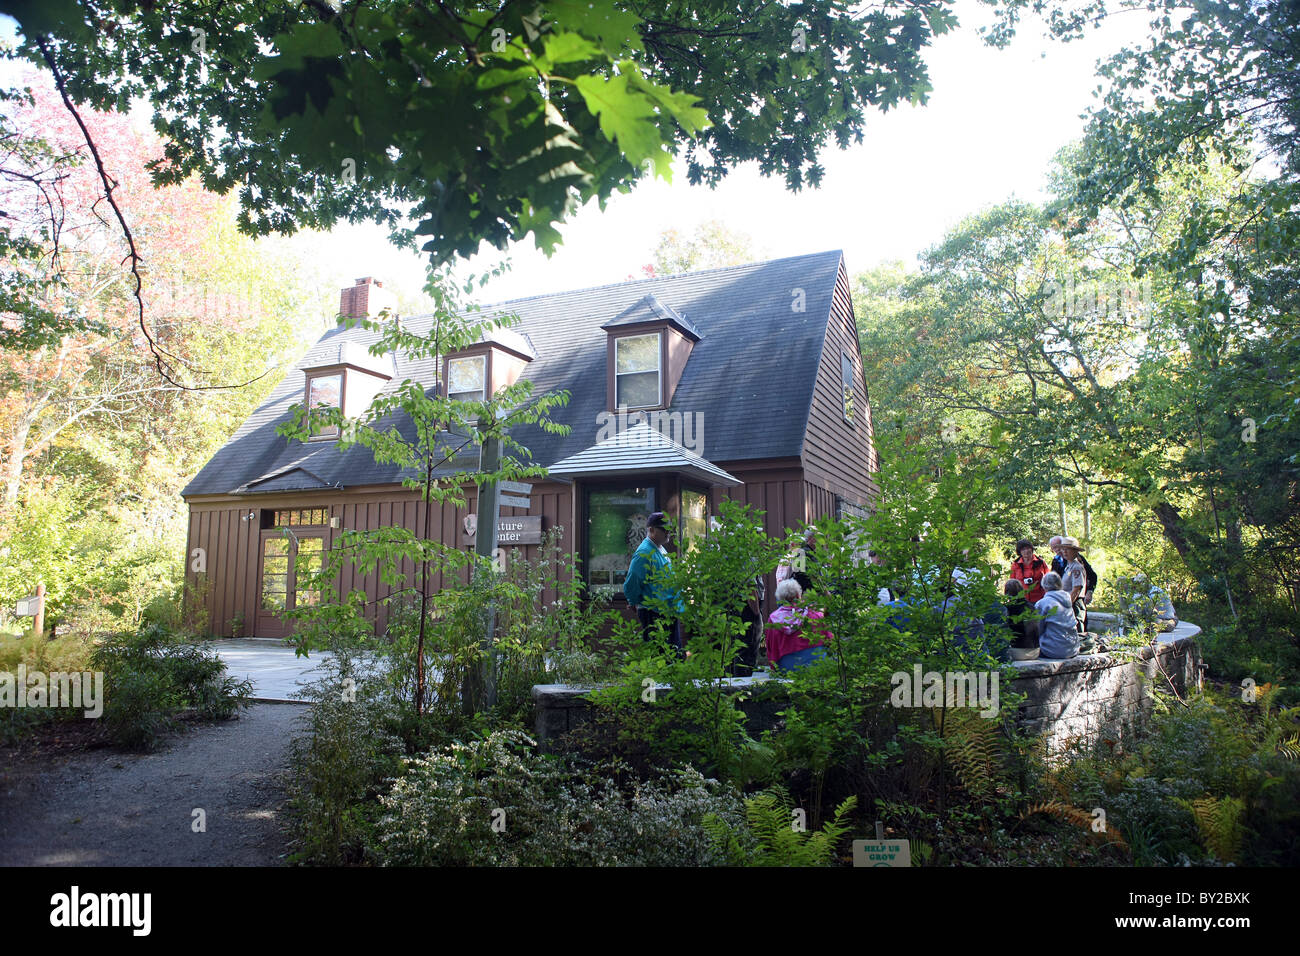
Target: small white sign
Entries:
(510, 501)
(881, 853)
(515, 487)
(27, 607)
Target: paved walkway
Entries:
(275, 670)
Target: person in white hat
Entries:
(1075, 580)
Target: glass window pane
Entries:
(615, 528)
(695, 517)
(467, 374)
(325, 390)
(637, 353)
(846, 382)
(636, 390)
(273, 546)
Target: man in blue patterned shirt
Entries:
(650, 559)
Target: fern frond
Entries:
(972, 745)
(1290, 748)
(1219, 821)
(1077, 816)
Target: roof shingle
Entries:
(749, 379)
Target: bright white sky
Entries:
(992, 126)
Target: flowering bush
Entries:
(497, 801)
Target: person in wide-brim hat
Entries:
(1070, 542)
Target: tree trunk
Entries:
(14, 459)
(1087, 518)
(1175, 531)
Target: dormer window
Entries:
(637, 371)
(648, 345)
(325, 391)
(467, 378)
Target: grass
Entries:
(69, 652)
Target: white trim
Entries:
(658, 337)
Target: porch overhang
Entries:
(641, 450)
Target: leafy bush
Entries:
(150, 675)
(1235, 651)
(497, 801)
(339, 766)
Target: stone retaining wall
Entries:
(1090, 697)
(1102, 696)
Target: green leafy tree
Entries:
(431, 439)
(711, 245)
(482, 122)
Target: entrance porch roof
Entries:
(641, 450)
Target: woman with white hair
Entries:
(787, 647)
(1060, 635)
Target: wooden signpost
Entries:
(33, 607)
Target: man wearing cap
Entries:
(650, 559)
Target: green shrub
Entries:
(1233, 651)
(138, 707)
(497, 801)
(340, 764)
(151, 674)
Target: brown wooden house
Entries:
(742, 382)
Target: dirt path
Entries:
(106, 808)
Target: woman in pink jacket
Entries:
(787, 647)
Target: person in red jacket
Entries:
(1028, 568)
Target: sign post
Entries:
(485, 546)
(33, 607)
(881, 852)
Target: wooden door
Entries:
(284, 563)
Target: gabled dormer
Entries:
(346, 377)
(341, 373)
(492, 363)
(647, 345)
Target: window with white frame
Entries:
(467, 378)
(325, 391)
(637, 379)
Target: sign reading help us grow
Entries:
(881, 853)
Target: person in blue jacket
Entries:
(647, 561)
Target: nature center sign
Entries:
(510, 531)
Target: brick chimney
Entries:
(367, 298)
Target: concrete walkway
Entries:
(273, 667)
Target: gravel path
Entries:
(106, 808)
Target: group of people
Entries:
(784, 635)
(1059, 592)
(1045, 607)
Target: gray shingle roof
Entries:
(749, 378)
(640, 449)
(650, 309)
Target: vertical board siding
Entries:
(838, 456)
(232, 545)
